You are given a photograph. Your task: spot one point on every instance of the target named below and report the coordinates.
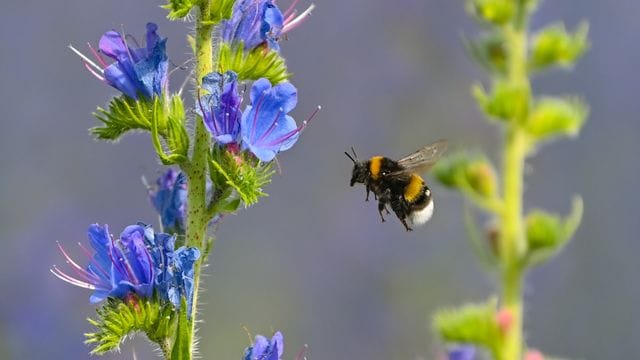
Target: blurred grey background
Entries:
(313, 259)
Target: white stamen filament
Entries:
(295, 22)
(86, 59)
(68, 279)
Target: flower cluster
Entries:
(257, 23)
(136, 70)
(263, 349)
(263, 128)
(169, 198)
(139, 263)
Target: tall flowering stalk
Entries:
(149, 281)
(514, 242)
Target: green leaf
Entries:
(123, 115)
(547, 234)
(507, 102)
(179, 8)
(258, 63)
(497, 12)
(241, 172)
(470, 324)
(182, 344)
(117, 319)
(555, 116)
(554, 46)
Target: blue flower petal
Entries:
(121, 80)
(260, 346)
(113, 45)
(136, 254)
(152, 37)
(277, 342)
(252, 23)
(462, 352)
(265, 127)
(272, 24)
(220, 108)
(152, 71)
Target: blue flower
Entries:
(253, 23)
(260, 22)
(263, 349)
(136, 70)
(118, 268)
(220, 108)
(265, 126)
(140, 263)
(461, 352)
(170, 199)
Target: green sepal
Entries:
(489, 51)
(554, 46)
(117, 319)
(182, 344)
(241, 172)
(179, 8)
(473, 175)
(556, 116)
(219, 10)
(498, 12)
(176, 137)
(122, 115)
(507, 102)
(547, 234)
(470, 324)
(260, 62)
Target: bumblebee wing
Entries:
(424, 158)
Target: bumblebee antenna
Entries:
(354, 153)
(349, 156)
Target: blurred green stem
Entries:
(512, 239)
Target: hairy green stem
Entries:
(197, 168)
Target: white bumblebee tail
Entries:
(420, 217)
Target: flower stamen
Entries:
(87, 61)
(289, 25)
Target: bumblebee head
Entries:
(360, 171)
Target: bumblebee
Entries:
(397, 183)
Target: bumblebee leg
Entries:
(401, 209)
(368, 190)
(404, 222)
(382, 206)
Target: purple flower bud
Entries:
(170, 200)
